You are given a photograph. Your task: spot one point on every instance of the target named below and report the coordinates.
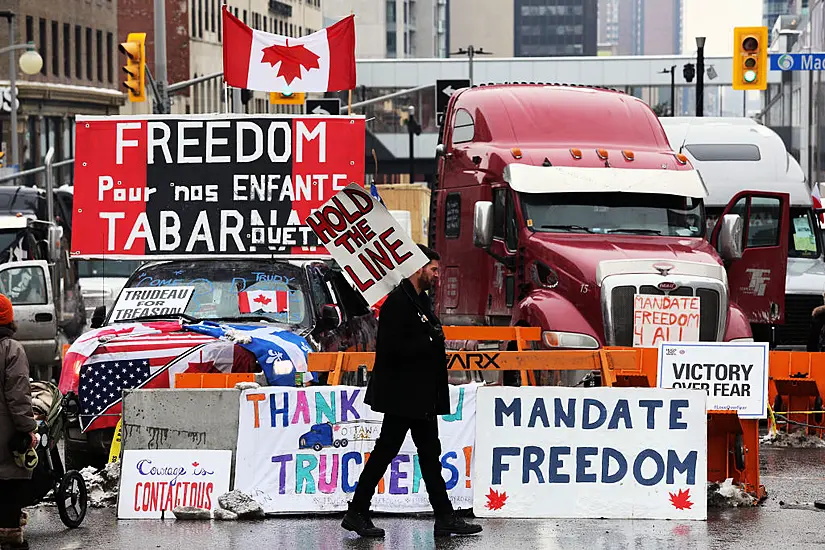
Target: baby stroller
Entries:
(70, 492)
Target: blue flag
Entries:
(374, 192)
(279, 352)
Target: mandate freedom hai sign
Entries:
(167, 185)
(797, 62)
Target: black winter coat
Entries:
(409, 377)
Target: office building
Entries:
(640, 27)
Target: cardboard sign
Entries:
(659, 319)
(302, 450)
(151, 301)
(155, 481)
(366, 241)
(734, 375)
(206, 185)
(553, 452)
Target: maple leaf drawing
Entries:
(263, 300)
(681, 500)
(496, 500)
(292, 59)
(195, 464)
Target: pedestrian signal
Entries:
(750, 58)
(135, 68)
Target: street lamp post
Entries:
(30, 63)
(672, 72)
(700, 76)
(471, 52)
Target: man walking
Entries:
(409, 385)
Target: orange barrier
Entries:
(796, 388)
(191, 380)
(733, 443)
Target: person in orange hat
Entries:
(16, 422)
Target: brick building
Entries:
(77, 40)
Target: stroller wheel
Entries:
(72, 499)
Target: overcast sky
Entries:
(715, 19)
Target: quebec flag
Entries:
(279, 352)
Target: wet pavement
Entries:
(790, 475)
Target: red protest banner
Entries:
(166, 186)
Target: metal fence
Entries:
(35, 176)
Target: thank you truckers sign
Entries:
(163, 186)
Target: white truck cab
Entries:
(732, 154)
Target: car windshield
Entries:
(619, 213)
(107, 268)
(233, 290)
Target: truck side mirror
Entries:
(483, 224)
(440, 150)
(55, 236)
(330, 317)
(98, 317)
(730, 237)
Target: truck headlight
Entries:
(568, 340)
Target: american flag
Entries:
(129, 362)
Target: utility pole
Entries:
(471, 52)
(700, 76)
(672, 72)
(161, 78)
(413, 129)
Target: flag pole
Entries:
(349, 98)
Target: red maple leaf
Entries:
(496, 500)
(292, 59)
(206, 367)
(195, 464)
(681, 500)
(263, 300)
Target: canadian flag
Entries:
(268, 301)
(323, 61)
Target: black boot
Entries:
(453, 524)
(359, 521)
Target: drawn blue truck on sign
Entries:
(324, 435)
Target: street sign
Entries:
(323, 107)
(444, 89)
(797, 62)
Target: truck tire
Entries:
(344, 442)
(77, 459)
(739, 452)
(336, 443)
(317, 447)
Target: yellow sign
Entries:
(280, 98)
(114, 450)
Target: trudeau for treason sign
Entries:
(166, 185)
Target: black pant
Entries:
(425, 436)
(11, 501)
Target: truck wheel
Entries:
(317, 447)
(739, 452)
(336, 443)
(344, 442)
(77, 459)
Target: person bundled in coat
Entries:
(409, 385)
(17, 432)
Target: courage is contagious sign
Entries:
(167, 185)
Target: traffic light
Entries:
(689, 72)
(750, 58)
(135, 68)
(287, 98)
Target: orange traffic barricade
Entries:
(196, 380)
(796, 388)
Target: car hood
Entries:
(805, 276)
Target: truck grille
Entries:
(622, 311)
(797, 325)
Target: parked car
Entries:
(323, 308)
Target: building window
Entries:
(214, 12)
(78, 56)
(195, 18)
(244, 17)
(220, 28)
(391, 12)
(43, 43)
(391, 44)
(99, 52)
(110, 76)
(200, 18)
(266, 24)
(89, 70)
(67, 50)
(55, 49)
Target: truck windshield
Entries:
(107, 268)
(234, 290)
(619, 213)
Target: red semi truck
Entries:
(562, 207)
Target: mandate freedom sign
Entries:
(553, 452)
(148, 302)
(664, 319)
(167, 185)
(366, 241)
(734, 375)
(155, 481)
(302, 450)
